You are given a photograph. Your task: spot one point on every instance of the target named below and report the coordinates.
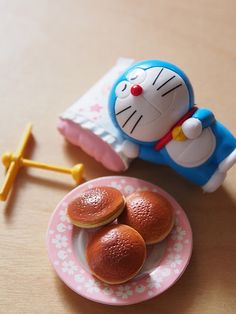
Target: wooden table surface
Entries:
(51, 53)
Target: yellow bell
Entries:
(178, 134)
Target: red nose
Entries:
(136, 90)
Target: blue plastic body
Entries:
(225, 141)
(225, 144)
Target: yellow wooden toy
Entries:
(13, 162)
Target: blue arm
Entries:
(205, 116)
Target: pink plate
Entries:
(165, 262)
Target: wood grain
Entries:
(50, 54)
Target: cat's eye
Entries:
(123, 89)
(137, 76)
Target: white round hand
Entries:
(130, 149)
(192, 128)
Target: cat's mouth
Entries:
(157, 114)
(160, 109)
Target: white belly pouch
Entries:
(192, 152)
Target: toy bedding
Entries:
(87, 124)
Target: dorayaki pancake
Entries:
(116, 253)
(95, 207)
(150, 214)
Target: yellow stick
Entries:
(76, 171)
(24, 140)
(9, 180)
(13, 166)
(35, 164)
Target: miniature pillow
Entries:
(87, 123)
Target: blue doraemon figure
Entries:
(152, 106)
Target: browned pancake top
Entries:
(149, 213)
(115, 253)
(95, 204)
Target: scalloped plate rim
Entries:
(125, 301)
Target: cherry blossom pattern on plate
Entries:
(69, 267)
(60, 241)
(124, 291)
(64, 258)
(93, 286)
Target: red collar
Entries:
(168, 136)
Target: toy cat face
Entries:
(148, 102)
